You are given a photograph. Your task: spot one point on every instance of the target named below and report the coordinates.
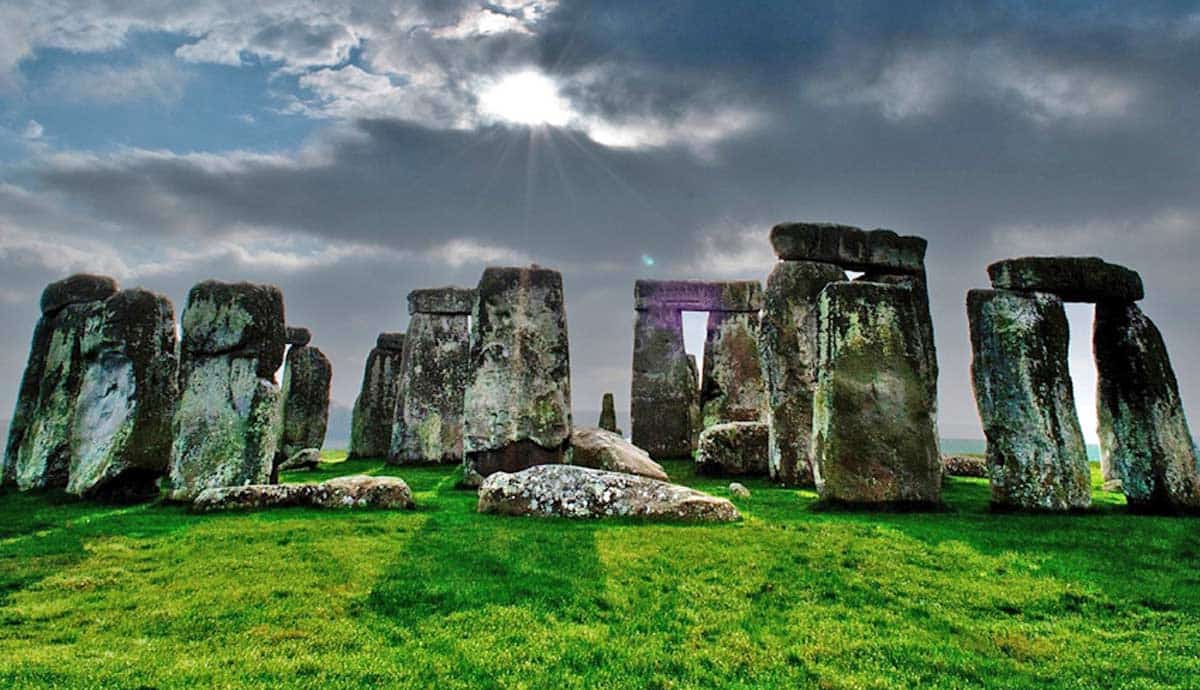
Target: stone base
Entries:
(513, 457)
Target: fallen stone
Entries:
(739, 490)
(1072, 278)
(604, 450)
(733, 448)
(695, 295)
(80, 288)
(664, 389)
(298, 337)
(608, 414)
(304, 459)
(733, 389)
(433, 380)
(306, 378)
(374, 414)
(964, 466)
(444, 300)
(849, 247)
(1035, 451)
(357, 491)
(579, 492)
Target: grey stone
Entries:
(608, 414)
(604, 450)
(1035, 451)
(664, 392)
(1145, 441)
(444, 300)
(298, 337)
(964, 466)
(80, 288)
(356, 491)
(433, 379)
(849, 247)
(733, 448)
(579, 492)
(1072, 278)
(375, 408)
(733, 389)
(306, 378)
(393, 342)
(695, 295)
(242, 320)
(739, 490)
(303, 459)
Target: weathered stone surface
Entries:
(733, 389)
(849, 247)
(80, 288)
(696, 295)
(517, 406)
(733, 448)
(874, 433)
(694, 413)
(444, 300)
(608, 414)
(433, 380)
(664, 389)
(579, 492)
(964, 466)
(298, 337)
(1145, 441)
(604, 450)
(374, 412)
(923, 322)
(306, 378)
(739, 490)
(356, 491)
(1036, 456)
(121, 432)
(1072, 278)
(242, 320)
(788, 347)
(303, 459)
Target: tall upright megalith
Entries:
(517, 405)
(227, 424)
(608, 414)
(733, 389)
(307, 375)
(662, 389)
(374, 411)
(428, 420)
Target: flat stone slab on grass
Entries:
(605, 450)
(851, 248)
(355, 491)
(579, 492)
(1072, 278)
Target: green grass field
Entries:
(152, 596)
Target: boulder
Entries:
(433, 379)
(303, 459)
(663, 388)
(357, 491)
(80, 288)
(849, 247)
(733, 389)
(298, 337)
(121, 432)
(788, 346)
(579, 492)
(604, 450)
(1036, 456)
(1072, 278)
(608, 414)
(443, 300)
(306, 378)
(733, 448)
(517, 406)
(874, 429)
(1145, 441)
(964, 466)
(243, 320)
(739, 490)
(374, 412)
(696, 295)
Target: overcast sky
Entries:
(353, 151)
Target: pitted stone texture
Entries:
(849, 247)
(374, 412)
(433, 379)
(733, 388)
(604, 450)
(1036, 455)
(80, 288)
(579, 492)
(696, 295)
(734, 448)
(964, 466)
(121, 432)
(306, 378)
(663, 388)
(1072, 278)
(517, 406)
(788, 345)
(242, 320)
(608, 414)
(444, 300)
(694, 416)
(874, 434)
(739, 490)
(298, 337)
(356, 491)
(303, 459)
(924, 322)
(1145, 441)
(28, 395)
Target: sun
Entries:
(525, 98)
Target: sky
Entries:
(353, 151)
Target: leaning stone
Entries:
(1145, 441)
(739, 490)
(298, 337)
(874, 431)
(444, 300)
(851, 248)
(1036, 456)
(357, 491)
(374, 411)
(1073, 278)
(696, 295)
(664, 389)
(393, 342)
(80, 288)
(608, 414)
(579, 492)
(604, 450)
(428, 424)
(28, 395)
(517, 406)
(733, 389)
(788, 346)
(306, 378)
(733, 448)
(121, 432)
(236, 319)
(304, 459)
(964, 466)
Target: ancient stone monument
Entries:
(307, 375)
(517, 405)
(227, 425)
(608, 414)
(428, 418)
(733, 448)
(374, 411)
(733, 389)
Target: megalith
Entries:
(874, 428)
(1037, 459)
(733, 448)
(307, 375)
(517, 406)
(1071, 278)
(428, 419)
(227, 424)
(733, 389)
(1145, 441)
(608, 414)
(663, 388)
(122, 428)
(374, 411)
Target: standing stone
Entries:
(694, 416)
(38, 454)
(874, 435)
(608, 414)
(733, 389)
(1036, 455)
(433, 378)
(121, 434)
(663, 387)
(306, 378)
(375, 407)
(517, 408)
(227, 424)
(1145, 441)
(788, 345)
